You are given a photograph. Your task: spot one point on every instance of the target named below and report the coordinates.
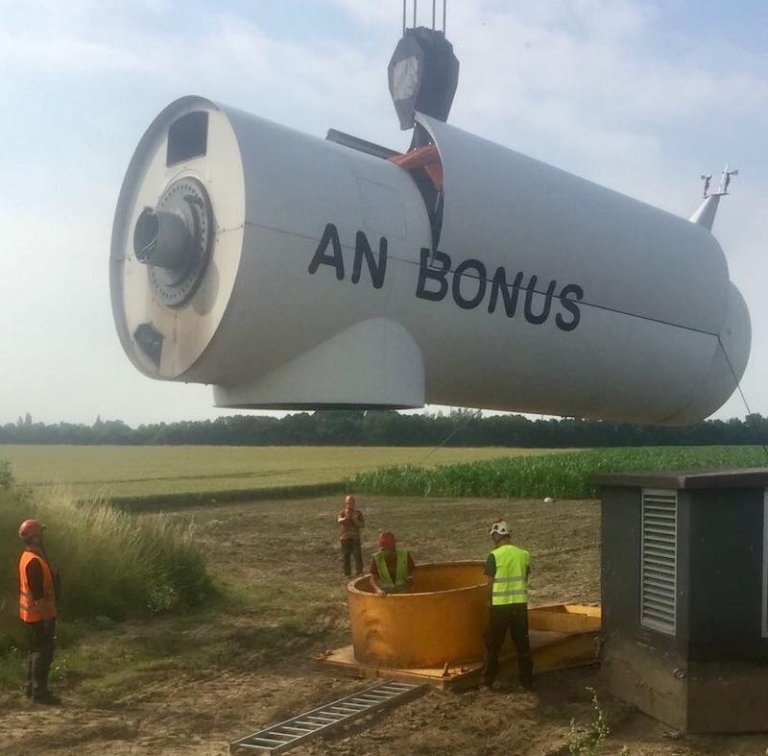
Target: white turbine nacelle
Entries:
(293, 272)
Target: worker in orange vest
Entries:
(391, 568)
(38, 589)
(350, 521)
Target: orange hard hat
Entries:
(349, 501)
(387, 540)
(30, 528)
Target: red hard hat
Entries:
(349, 501)
(387, 540)
(30, 528)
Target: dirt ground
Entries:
(247, 662)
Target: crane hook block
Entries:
(423, 75)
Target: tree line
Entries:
(390, 428)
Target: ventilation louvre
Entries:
(658, 580)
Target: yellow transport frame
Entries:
(433, 633)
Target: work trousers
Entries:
(512, 618)
(41, 639)
(350, 547)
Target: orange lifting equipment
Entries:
(426, 157)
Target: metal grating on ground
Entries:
(283, 736)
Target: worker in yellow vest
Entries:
(38, 593)
(507, 568)
(391, 568)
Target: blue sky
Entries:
(639, 96)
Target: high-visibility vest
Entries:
(510, 583)
(31, 610)
(401, 570)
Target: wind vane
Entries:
(725, 182)
(705, 214)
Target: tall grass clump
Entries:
(566, 476)
(6, 476)
(112, 564)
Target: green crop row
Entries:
(565, 476)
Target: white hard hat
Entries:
(499, 528)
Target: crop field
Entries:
(148, 471)
(136, 471)
(556, 475)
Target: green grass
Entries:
(113, 661)
(123, 658)
(138, 471)
(556, 475)
(114, 565)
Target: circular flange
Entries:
(188, 199)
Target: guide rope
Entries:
(459, 427)
(469, 417)
(739, 389)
